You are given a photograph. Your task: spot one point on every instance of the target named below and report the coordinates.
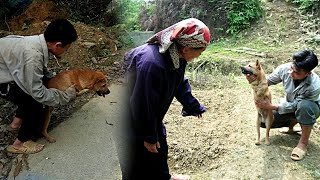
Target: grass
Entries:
(220, 62)
(243, 83)
(313, 170)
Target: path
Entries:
(85, 148)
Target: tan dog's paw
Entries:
(82, 92)
(257, 143)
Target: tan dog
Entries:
(83, 81)
(261, 92)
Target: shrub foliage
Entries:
(307, 5)
(221, 16)
(242, 13)
(89, 12)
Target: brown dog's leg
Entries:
(258, 129)
(82, 92)
(49, 138)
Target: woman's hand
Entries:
(152, 147)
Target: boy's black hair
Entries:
(60, 30)
(305, 60)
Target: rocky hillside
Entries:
(168, 12)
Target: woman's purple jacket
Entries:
(153, 83)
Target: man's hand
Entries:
(152, 147)
(251, 78)
(265, 105)
(71, 92)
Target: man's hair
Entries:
(60, 30)
(305, 60)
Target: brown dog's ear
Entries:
(104, 73)
(258, 65)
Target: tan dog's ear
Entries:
(258, 65)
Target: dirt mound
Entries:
(96, 48)
(36, 13)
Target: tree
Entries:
(10, 8)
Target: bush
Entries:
(307, 5)
(89, 12)
(242, 13)
(128, 13)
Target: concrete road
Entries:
(85, 148)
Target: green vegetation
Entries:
(128, 13)
(307, 5)
(242, 14)
(89, 12)
(211, 69)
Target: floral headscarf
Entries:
(188, 33)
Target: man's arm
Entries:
(275, 77)
(289, 107)
(28, 76)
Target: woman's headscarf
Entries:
(191, 33)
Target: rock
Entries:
(94, 60)
(88, 44)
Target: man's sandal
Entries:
(298, 154)
(286, 130)
(28, 147)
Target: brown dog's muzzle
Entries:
(103, 93)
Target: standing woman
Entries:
(155, 74)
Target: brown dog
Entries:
(83, 81)
(261, 92)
